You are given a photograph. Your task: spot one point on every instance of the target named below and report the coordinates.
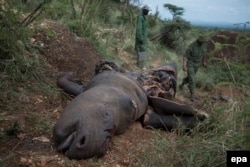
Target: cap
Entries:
(146, 7)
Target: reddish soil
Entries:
(65, 52)
(232, 45)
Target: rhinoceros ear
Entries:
(167, 107)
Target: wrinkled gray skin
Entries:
(108, 105)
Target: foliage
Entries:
(126, 15)
(246, 115)
(206, 145)
(20, 64)
(57, 10)
(173, 34)
(13, 38)
(243, 39)
(75, 14)
(16, 61)
(153, 20)
(220, 72)
(174, 10)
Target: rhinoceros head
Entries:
(84, 131)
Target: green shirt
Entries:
(141, 33)
(195, 52)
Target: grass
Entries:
(205, 146)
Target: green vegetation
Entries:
(174, 10)
(109, 25)
(206, 145)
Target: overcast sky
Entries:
(227, 11)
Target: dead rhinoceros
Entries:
(105, 107)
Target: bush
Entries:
(173, 34)
(13, 40)
(221, 71)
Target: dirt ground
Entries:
(65, 52)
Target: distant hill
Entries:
(225, 25)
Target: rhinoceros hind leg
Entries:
(168, 107)
(170, 122)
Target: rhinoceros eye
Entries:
(107, 114)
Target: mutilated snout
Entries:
(84, 137)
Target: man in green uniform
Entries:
(141, 36)
(193, 58)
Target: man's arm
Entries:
(204, 60)
(139, 34)
(204, 57)
(185, 59)
(184, 63)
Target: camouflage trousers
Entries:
(141, 56)
(192, 68)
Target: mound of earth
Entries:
(230, 44)
(66, 52)
(32, 146)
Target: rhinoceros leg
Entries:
(167, 107)
(167, 114)
(70, 85)
(168, 122)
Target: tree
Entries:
(174, 10)
(173, 34)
